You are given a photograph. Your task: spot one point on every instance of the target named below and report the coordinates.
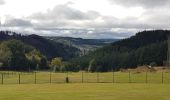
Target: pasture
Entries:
(84, 86)
(86, 91)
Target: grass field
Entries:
(85, 91)
(85, 86)
(84, 77)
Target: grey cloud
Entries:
(142, 3)
(2, 2)
(66, 21)
(65, 16)
(112, 22)
(64, 12)
(12, 22)
(157, 18)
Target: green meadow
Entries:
(86, 91)
(84, 86)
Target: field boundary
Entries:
(9, 77)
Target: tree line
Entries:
(145, 48)
(16, 55)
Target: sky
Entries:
(84, 18)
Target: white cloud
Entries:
(88, 19)
(143, 3)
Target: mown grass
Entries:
(85, 91)
(85, 86)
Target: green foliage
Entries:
(5, 55)
(37, 60)
(47, 47)
(56, 64)
(70, 67)
(15, 55)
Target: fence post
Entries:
(50, 77)
(82, 77)
(2, 78)
(162, 77)
(129, 77)
(113, 77)
(8, 74)
(67, 79)
(19, 79)
(97, 77)
(35, 81)
(4, 75)
(146, 80)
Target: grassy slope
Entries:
(93, 91)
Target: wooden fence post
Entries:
(35, 76)
(67, 78)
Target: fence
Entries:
(83, 77)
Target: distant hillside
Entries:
(85, 45)
(147, 47)
(49, 48)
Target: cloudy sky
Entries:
(84, 18)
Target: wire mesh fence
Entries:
(83, 77)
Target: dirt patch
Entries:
(162, 68)
(146, 68)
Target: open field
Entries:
(85, 86)
(86, 91)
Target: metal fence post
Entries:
(97, 77)
(2, 78)
(50, 77)
(113, 77)
(82, 77)
(129, 77)
(162, 77)
(146, 80)
(19, 79)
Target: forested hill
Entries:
(144, 38)
(49, 48)
(147, 47)
(81, 41)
